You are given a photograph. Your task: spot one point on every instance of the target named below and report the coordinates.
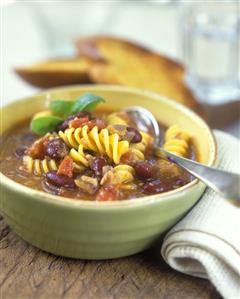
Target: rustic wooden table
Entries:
(27, 272)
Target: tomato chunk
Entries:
(108, 193)
(78, 122)
(66, 167)
(96, 123)
(128, 158)
(38, 148)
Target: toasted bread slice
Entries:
(56, 72)
(122, 62)
(164, 84)
(115, 50)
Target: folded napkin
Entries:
(206, 243)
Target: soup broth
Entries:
(121, 166)
(147, 176)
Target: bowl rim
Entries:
(99, 205)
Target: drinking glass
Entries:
(211, 49)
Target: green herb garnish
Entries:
(45, 124)
(61, 110)
(87, 102)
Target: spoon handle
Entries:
(223, 182)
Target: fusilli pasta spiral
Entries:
(177, 141)
(38, 167)
(101, 142)
(79, 155)
(120, 174)
(116, 118)
(136, 154)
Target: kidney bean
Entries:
(171, 159)
(98, 165)
(20, 152)
(60, 180)
(136, 136)
(144, 169)
(56, 148)
(180, 182)
(64, 125)
(50, 187)
(155, 186)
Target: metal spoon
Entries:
(225, 183)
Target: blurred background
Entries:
(203, 36)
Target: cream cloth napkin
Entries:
(206, 243)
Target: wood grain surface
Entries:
(29, 273)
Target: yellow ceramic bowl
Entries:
(101, 230)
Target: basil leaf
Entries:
(86, 102)
(45, 124)
(62, 108)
